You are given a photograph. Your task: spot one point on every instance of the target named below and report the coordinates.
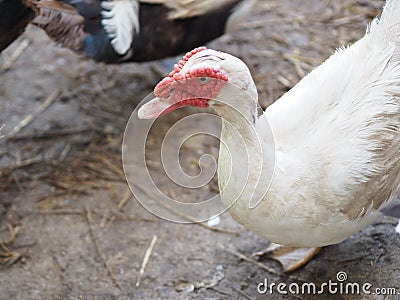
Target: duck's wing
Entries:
(237, 10)
(161, 37)
(338, 129)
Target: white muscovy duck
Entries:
(336, 137)
(114, 31)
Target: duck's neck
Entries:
(246, 151)
(238, 111)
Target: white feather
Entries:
(337, 144)
(121, 22)
(398, 228)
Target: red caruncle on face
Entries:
(194, 88)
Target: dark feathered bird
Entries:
(132, 30)
(14, 16)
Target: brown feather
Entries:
(61, 22)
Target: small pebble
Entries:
(214, 221)
(185, 287)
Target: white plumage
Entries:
(121, 22)
(335, 136)
(337, 143)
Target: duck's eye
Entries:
(171, 91)
(203, 80)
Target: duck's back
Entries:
(162, 37)
(337, 132)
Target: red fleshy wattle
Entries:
(187, 85)
(186, 88)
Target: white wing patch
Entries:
(398, 228)
(121, 22)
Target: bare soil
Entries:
(70, 229)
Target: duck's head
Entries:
(205, 78)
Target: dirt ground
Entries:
(69, 227)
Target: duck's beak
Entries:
(158, 107)
(154, 108)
